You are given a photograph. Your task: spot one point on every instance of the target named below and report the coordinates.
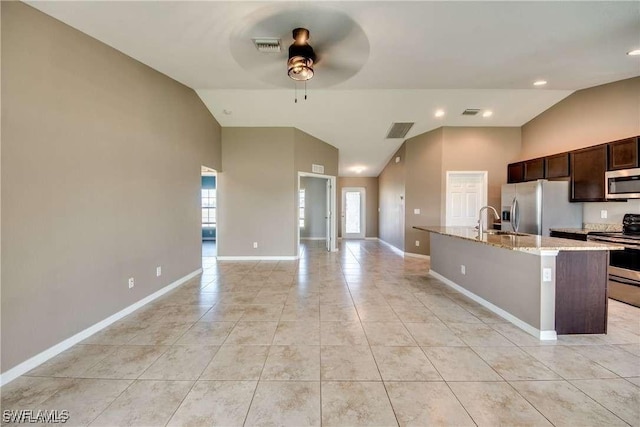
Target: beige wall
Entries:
(370, 185)
(101, 161)
(423, 183)
(311, 150)
(391, 198)
(587, 117)
(256, 192)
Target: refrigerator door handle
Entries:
(512, 217)
(516, 211)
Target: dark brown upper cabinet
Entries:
(623, 154)
(515, 172)
(557, 166)
(587, 174)
(534, 169)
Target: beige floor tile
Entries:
(475, 334)
(271, 297)
(353, 363)
(292, 363)
(338, 313)
(179, 314)
(426, 403)
(415, 314)
(494, 403)
(288, 403)
(342, 333)
(376, 313)
(631, 348)
(514, 364)
(563, 404)
(336, 298)
(26, 392)
(252, 333)
(388, 334)
(223, 313)
(433, 334)
(634, 380)
(118, 333)
(518, 336)
(300, 313)
(455, 315)
(617, 395)
(223, 403)
(356, 404)
(85, 399)
(180, 363)
(73, 362)
(233, 362)
(206, 333)
(404, 364)
(460, 364)
(126, 362)
(568, 363)
(297, 333)
(145, 403)
(615, 359)
(160, 334)
(235, 298)
(262, 312)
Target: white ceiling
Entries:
(409, 58)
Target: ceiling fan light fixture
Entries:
(301, 56)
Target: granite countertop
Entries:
(590, 228)
(525, 243)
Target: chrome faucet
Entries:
(480, 223)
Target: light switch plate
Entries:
(463, 270)
(603, 214)
(417, 242)
(416, 211)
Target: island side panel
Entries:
(508, 279)
(581, 292)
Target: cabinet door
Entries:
(587, 174)
(557, 166)
(623, 154)
(515, 172)
(534, 169)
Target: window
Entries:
(301, 209)
(208, 208)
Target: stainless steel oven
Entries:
(623, 184)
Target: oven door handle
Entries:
(623, 280)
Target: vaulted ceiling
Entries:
(379, 62)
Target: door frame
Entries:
(363, 211)
(485, 196)
(332, 233)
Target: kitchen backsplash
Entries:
(615, 211)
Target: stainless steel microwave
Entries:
(623, 184)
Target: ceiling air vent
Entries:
(399, 130)
(470, 112)
(267, 45)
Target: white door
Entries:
(353, 212)
(466, 194)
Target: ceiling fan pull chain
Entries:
(305, 90)
(295, 89)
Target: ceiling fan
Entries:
(340, 46)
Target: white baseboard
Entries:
(42, 357)
(313, 238)
(541, 335)
(421, 256)
(393, 248)
(257, 258)
(371, 238)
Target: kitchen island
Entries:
(544, 285)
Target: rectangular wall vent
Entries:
(267, 45)
(399, 130)
(470, 111)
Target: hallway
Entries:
(357, 337)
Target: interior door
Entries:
(353, 213)
(465, 194)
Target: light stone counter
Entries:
(530, 243)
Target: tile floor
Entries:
(359, 337)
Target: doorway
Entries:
(316, 201)
(208, 206)
(466, 193)
(354, 213)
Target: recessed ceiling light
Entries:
(540, 83)
(358, 169)
(487, 113)
(634, 52)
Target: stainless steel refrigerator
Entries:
(534, 207)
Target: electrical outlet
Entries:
(603, 214)
(546, 274)
(158, 271)
(131, 282)
(417, 242)
(416, 211)
(463, 270)
(398, 159)
(255, 245)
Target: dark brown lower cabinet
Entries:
(581, 292)
(587, 174)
